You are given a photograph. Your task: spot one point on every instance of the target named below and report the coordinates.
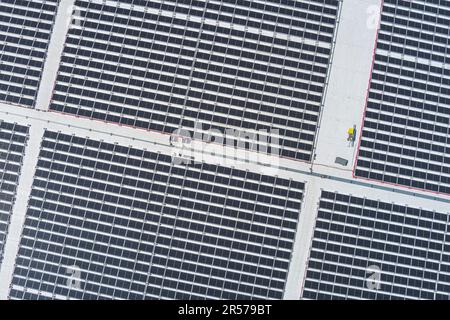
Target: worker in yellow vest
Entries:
(351, 135)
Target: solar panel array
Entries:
(13, 138)
(135, 225)
(406, 135)
(25, 28)
(252, 65)
(354, 237)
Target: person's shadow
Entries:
(355, 132)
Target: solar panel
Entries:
(405, 139)
(114, 222)
(13, 138)
(370, 249)
(222, 64)
(25, 28)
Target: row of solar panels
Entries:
(13, 139)
(135, 225)
(406, 134)
(222, 76)
(25, 29)
(369, 249)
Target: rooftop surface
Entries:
(343, 107)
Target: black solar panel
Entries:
(369, 249)
(129, 223)
(406, 137)
(25, 28)
(225, 64)
(13, 138)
